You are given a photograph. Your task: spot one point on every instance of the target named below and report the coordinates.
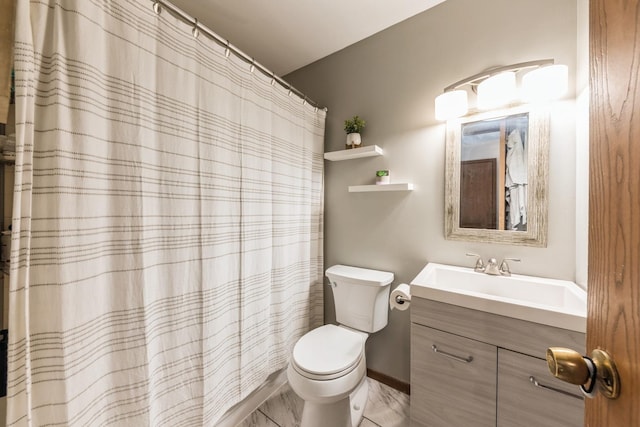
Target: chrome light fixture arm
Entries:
(474, 80)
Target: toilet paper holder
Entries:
(401, 300)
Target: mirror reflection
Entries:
(494, 174)
(496, 177)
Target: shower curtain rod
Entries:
(198, 27)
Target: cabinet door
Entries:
(550, 403)
(455, 385)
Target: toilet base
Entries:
(345, 412)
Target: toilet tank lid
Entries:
(363, 276)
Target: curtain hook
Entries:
(157, 7)
(273, 79)
(195, 31)
(315, 110)
(227, 50)
(253, 66)
(304, 100)
(290, 92)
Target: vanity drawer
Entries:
(552, 403)
(513, 334)
(455, 386)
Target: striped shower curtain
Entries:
(167, 225)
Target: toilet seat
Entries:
(328, 352)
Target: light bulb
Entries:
(497, 90)
(545, 83)
(451, 104)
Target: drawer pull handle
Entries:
(467, 359)
(535, 382)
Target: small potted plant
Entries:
(383, 177)
(353, 127)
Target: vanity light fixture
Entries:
(452, 104)
(497, 87)
(497, 90)
(545, 83)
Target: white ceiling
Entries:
(285, 35)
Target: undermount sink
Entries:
(552, 302)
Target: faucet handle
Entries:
(504, 266)
(479, 267)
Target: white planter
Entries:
(353, 139)
(382, 180)
(383, 177)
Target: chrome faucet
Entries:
(479, 267)
(492, 267)
(504, 266)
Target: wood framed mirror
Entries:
(496, 177)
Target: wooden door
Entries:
(478, 184)
(614, 208)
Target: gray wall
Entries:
(391, 80)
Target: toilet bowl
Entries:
(328, 366)
(328, 371)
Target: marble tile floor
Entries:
(386, 407)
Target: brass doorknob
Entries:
(570, 366)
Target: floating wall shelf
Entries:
(354, 153)
(405, 186)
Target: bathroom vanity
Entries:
(471, 366)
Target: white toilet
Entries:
(328, 366)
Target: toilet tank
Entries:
(361, 296)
